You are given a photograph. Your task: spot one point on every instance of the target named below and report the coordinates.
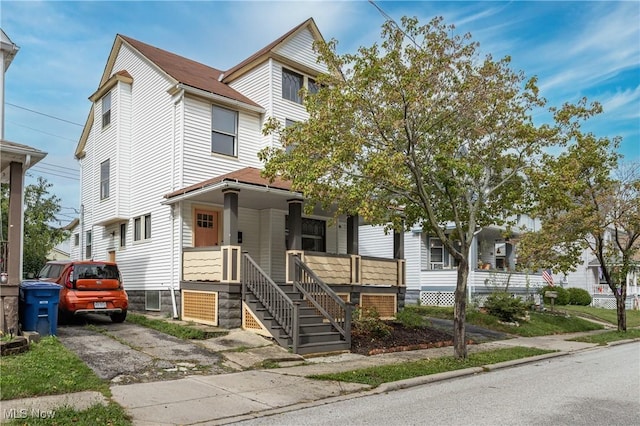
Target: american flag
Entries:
(546, 275)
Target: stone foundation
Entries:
(137, 301)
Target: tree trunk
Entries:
(621, 308)
(460, 311)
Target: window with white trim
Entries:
(291, 85)
(104, 179)
(106, 110)
(289, 123)
(142, 228)
(224, 130)
(123, 235)
(87, 253)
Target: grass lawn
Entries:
(175, 329)
(374, 376)
(540, 324)
(112, 415)
(610, 336)
(606, 315)
(47, 368)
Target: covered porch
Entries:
(264, 221)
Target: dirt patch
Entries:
(400, 339)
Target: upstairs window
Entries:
(87, 253)
(289, 123)
(291, 85)
(313, 87)
(104, 180)
(123, 234)
(224, 131)
(106, 110)
(76, 240)
(142, 228)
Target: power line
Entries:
(44, 172)
(55, 165)
(41, 131)
(42, 113)
(393, 21)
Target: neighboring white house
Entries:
(432, 271)
(171, 186)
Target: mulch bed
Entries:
(401, 339)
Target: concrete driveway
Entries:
(129, 353)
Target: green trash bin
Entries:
(38, 307)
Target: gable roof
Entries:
(247, 175)
(268, 51)
(187, 71)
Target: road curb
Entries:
(423, 380)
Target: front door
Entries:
(112, 255)
(206, 228)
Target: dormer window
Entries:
(106, 110)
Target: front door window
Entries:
(206, 228)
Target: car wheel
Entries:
(119, 316)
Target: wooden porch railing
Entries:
(325, 300)
(277, 303)
(341, 269)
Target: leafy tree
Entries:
(585, 206)
(39, 213)
(419, 132)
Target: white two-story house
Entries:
(171, 187)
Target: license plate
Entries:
(99, 305)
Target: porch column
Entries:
(398, 244)
(352, 234)
(294, 239)
(9, 290)
(230, 217)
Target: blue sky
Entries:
(576, 49)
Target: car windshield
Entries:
(51, 271)
(96, 271)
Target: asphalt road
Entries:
(595, 387)
(128, 353)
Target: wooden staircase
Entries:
(296, 320)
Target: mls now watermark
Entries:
(24, 413)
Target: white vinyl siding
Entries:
(300, 50)
(199, 163)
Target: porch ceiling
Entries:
(250, 196)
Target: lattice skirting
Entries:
(200, 306)
(251, 323)
(385, 304)
(437, 298)
(610, 302)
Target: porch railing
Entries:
(273, 298)
(323, 299)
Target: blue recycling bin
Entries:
(38, 307)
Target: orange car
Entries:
(88, 287)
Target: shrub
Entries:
(579, 296)
(563, 295)
(367, 322)
(409, 318)
(500, 304)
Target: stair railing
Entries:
(272, 297)
(323, 298)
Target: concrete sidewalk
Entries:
(228, 398)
